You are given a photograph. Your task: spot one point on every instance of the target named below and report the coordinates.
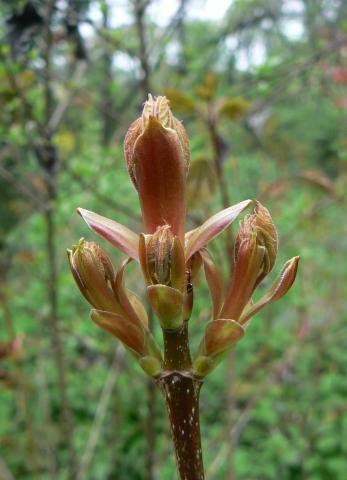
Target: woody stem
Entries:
(181, 391)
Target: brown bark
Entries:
(181, 391)
(182, 402)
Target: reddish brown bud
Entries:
(255, 255)
(260, 224)
(156, 151)
(94, 275)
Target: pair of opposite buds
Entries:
(157, 156)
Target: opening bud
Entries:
(255, 255)
(159, 108)
(156, 150)
(162, 258)
(94, 275)
(260, 224)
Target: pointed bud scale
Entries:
(138, 307)
(278, 289)
(132, 306)
(167, 303)
(214, 280)
(156, 150)
(133, 336)
(286, 279)
(178, 263)
(193, 267)
(199, 237)
(120, 236)
(143, 240)
(136, 338)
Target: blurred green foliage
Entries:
(276, 409)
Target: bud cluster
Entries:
(157, 155)
(116, 309)
(256, 249)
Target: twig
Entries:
(21, 188)
(140, 7)
(49, 168)
(62, 107)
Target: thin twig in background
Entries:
(61, 109)
(49, 167)
(140, 7)
(22, 189)
(100, 413)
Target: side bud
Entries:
(156, 150)
(255, 255)
(260, 224)
(93, 272)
